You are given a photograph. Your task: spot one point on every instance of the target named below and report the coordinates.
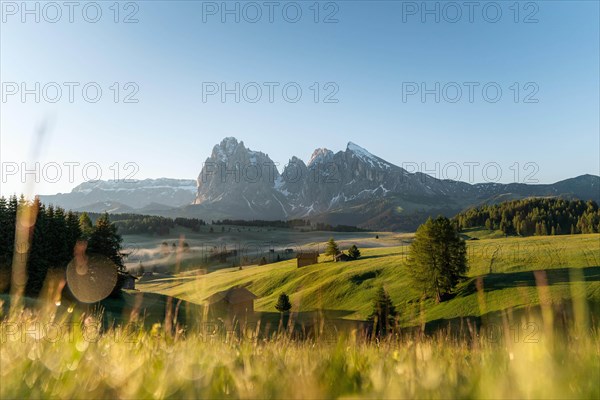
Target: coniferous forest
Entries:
(53, 239)
(132, 224)
(534, 216)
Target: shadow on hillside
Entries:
(327, 324)
(302, 316)
(380, 256)
(360, 278)
(523, 324)
(130, 307)
(498, 281)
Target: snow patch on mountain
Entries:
(367, 157)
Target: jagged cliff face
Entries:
(239, 182)
(347, 187)
(248, 184)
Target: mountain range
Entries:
(351, 187)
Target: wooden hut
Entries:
(233, 302)
(307, 258)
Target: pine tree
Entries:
(74, 230)
(383, 317)
(58, 238)
(354, 252)
(283, 303)
(40, 252)
(5, 238)
(6, 245)
(524, 229)
(437, 258)
(488, 224)
(105, 240)
(332, 249)
(85, 225)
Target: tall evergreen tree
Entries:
(105, 240)
(73, 229)
(5, 238)
(85, 225)
(40, 251)
(437, 258)
(58, 239)
(382, 319)
(332, 249)
(283, 303)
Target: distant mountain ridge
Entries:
(126, 195)
(350, 187)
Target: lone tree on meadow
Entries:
(383, 318)
(437, 259)
(332, 249)
(354, 252)
(283, 303)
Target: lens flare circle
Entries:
(91, 278)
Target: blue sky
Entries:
(369, 55)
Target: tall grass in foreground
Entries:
(125, 362)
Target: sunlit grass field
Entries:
(523, 325)
(505, 266)
(142, 364)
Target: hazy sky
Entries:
(375, 61)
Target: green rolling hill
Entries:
(503, 268)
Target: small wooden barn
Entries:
(233, 302)
(307, 258)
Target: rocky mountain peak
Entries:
(320, 155)
(365, 156)
(226, 149)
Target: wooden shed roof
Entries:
(307, 254)
(232, 295)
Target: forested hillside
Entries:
(534, 216)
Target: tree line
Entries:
(291, 223)
(52, 240)
(134, 224)
(320, 226)
(534, 216)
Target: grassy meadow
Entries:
(504, 267)
(523, 325)
(251, 243)
(147, 364)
